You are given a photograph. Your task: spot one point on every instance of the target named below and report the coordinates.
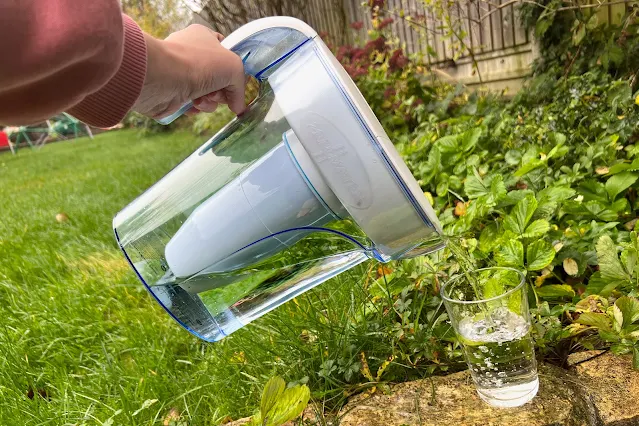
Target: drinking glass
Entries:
(488, 309)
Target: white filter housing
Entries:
(269, 197)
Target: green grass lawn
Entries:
(82, 342)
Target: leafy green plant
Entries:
(280, 404)
(617, 324)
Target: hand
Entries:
(190, 64)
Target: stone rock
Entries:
(610, 382)
(451, 400)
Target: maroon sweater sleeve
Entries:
(83, 57)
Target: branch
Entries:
(588, 6)
(498, 7)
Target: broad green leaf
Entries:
(448, 143)
(469, 138)
(432, 165)
(610, 268)
(618, 168)
(475, 186)
(529, 167)
(594, 319)
(539, 255)
(546, 209)
(593, 22)
(579, 34)
(619, 93)
(593, 190)
(520, 215)
(629, 307)
(599, 211)
(635, 356)
(619, 205)
(442, 188)
(497, 189)
(493, 288)
(620, 182)
(513, 197)
(629, 259)
(617, 316)
(513, 157)
(510, 254)
(590, 210)
(514, 303)
(556, 193)
(536, 229)
(555, 290)
(559, 139)
(544, 22)
(271, 393)
(289, 405)
(598, 285)
(608, 336)
(487, 237)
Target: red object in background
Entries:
(4, 140)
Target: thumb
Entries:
(235, 98)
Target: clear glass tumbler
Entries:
(488, 309)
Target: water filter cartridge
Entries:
(271, 196)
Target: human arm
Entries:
(88, 59)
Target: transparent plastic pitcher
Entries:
(302, 186)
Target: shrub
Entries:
(546, 182)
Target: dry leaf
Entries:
(383, 270)
(172, 417)
(571, 267)
(630, 225)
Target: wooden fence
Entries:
(499, 29)
(501, 47)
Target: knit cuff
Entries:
(108, 106)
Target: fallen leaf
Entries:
(383, 270)
(172, 417)
(571, 267)
(630, 225)
(602, 170)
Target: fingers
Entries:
(235, 99)
(206, 103)
(229, 96)
(235, 90)
(192, 111)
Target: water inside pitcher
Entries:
(293, 192)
